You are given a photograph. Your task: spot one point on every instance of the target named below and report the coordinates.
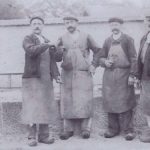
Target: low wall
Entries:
(12, 64)
(13, 32)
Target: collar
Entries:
(36, 37)
(117, 40)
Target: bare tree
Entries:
(57, 8)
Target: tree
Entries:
(9, 9)
(57, 8)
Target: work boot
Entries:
(145, 139)
(85, 134)
(110, 134)
(47, 140)
(32, 142)
(66, 135)
(129, 136)
(145, 136)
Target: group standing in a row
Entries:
(118, 57)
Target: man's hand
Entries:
(131, 80)
(92, 70)
(138, 84)
(58, 79)
(51, 45)
(108, 63)
(62, 48)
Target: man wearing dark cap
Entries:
(73, 49)
(38, 96)
(118, 57)
(144, 78)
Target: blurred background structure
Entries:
(16, 9)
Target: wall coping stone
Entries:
(59, 21)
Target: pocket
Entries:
(67, 63)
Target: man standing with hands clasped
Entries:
(38, 95)
(118, 57)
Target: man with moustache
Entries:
(118, 57)
(73, 49)
(144, 78)
(38, 95)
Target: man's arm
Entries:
(59, 50)
(53, 66)
(139, 62)
(96, 49)
(132, 57)
(32, 49)
(103, 54)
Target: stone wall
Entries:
(12, 64)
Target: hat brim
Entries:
(36, 17)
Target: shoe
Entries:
(85, 134)
(129, 136)
(47, 140)
(144, 135)
(144, 139)
(109, 134)
(32, 142)
(66, 135)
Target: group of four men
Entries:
(118, 57)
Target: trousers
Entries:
(85, 124)
(43, 131)
(118, 121)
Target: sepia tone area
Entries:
(93, 16)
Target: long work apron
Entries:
(118, 95)
(38, 95)
(77, 87)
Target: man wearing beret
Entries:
(39, 71)
(73, 49)
(118, 57)
(144, 78)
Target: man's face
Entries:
(37, 26)
(115, 27)
(71, 25)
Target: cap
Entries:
(115, 19)
(70, 18)
(37, 17)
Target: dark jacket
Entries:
(127, 44)
(144, 69)
(33, 50)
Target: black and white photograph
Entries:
(74, 74)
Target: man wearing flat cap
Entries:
(39, 71)
(144, 78)
(73, 49)
(118, 57)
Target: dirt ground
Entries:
(76, 143)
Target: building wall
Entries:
(12, 33)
